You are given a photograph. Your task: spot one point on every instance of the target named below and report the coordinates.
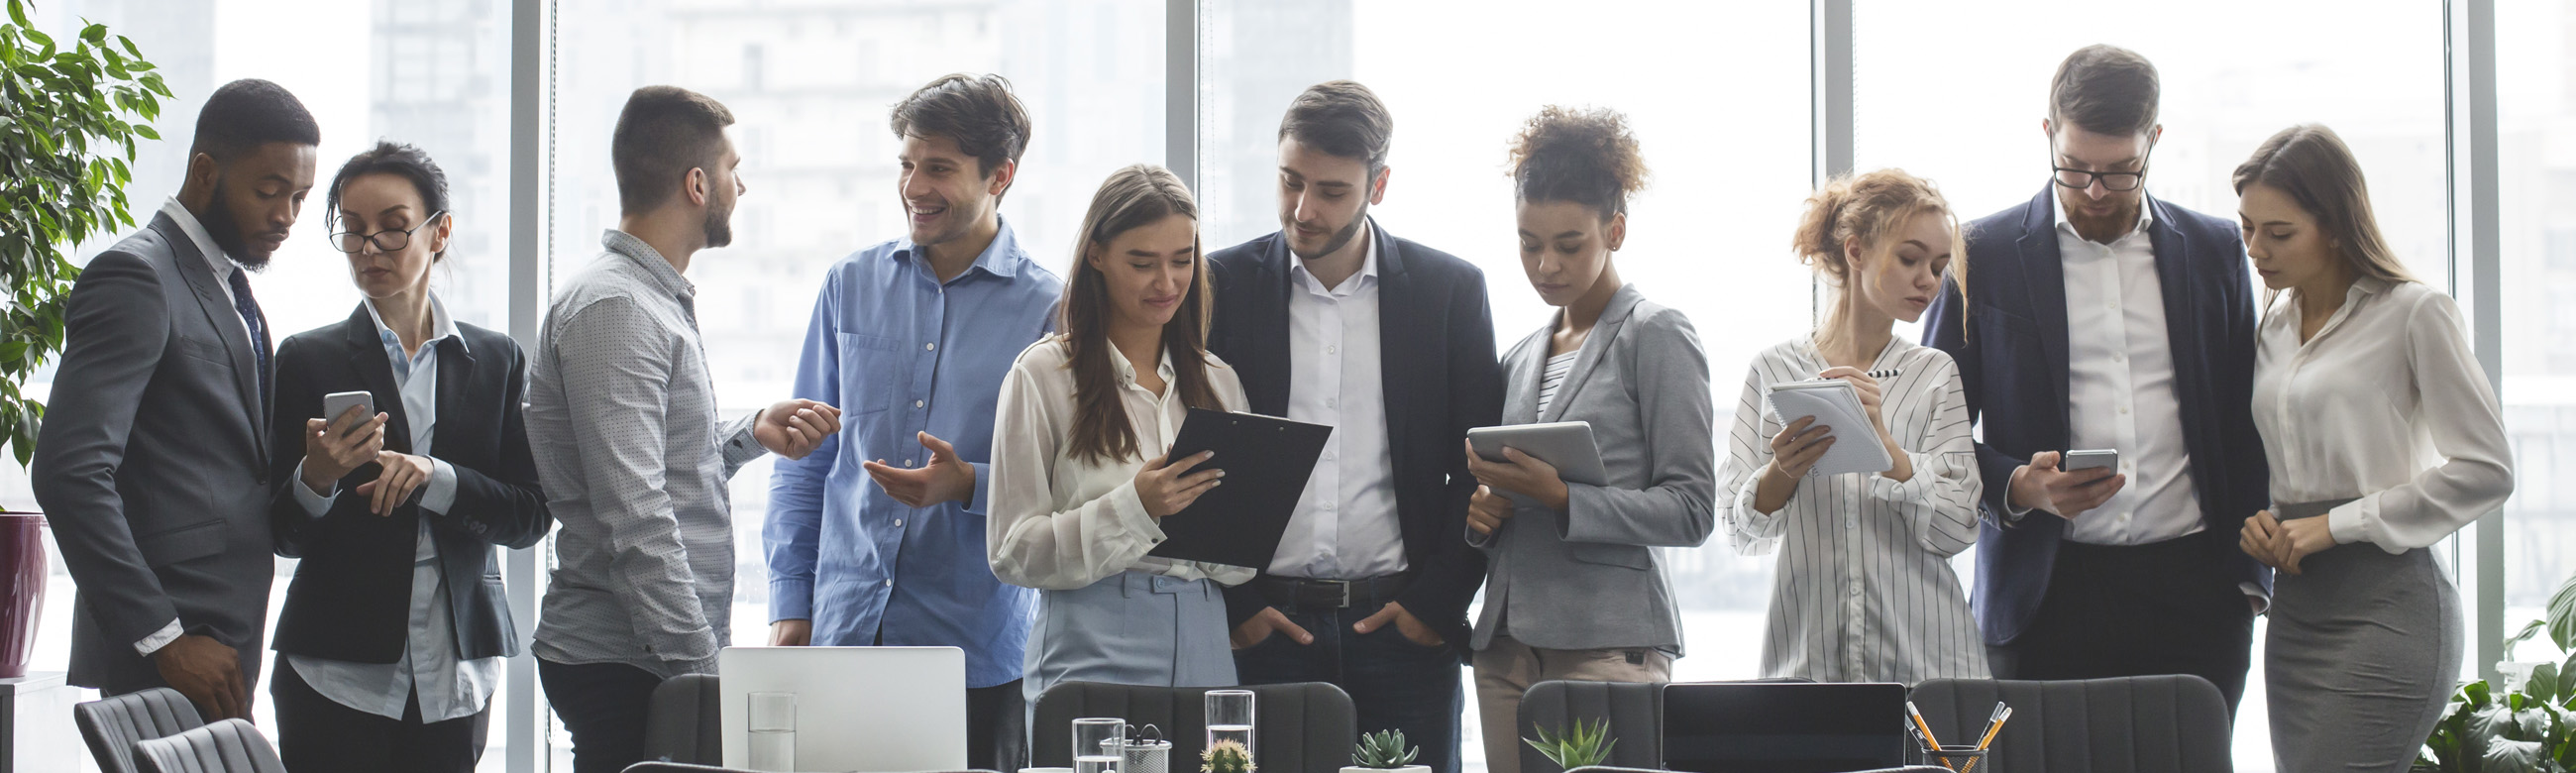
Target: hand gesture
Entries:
(208, 672)
(1870, 395)
(1798, 447)
(794, 428)
(945, 478)
(1265, 624)
(1487, 510)
(2041, 486)
(1521, 474)
(1170, 487)
(403, 474)
(332, 448)
(1413, 629)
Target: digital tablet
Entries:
(1566, 444)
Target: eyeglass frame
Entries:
(2139, 177)
(367, 239)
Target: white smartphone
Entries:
(2086, 460)
(337, 403)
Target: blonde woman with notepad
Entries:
(1864, 591)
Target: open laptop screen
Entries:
(1775, 727)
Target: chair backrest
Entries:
(230, 746)
(1635, 711)
(1906, 769)
(684, 722)
(111, 725)
(683, 767)
(2137, 724)
(1305, 727)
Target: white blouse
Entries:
(2385, 403)
(1060, 522)
(1864, 591)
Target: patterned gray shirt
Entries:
(634, 463)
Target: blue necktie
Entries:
(249, 308)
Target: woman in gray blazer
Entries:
(1573, 589)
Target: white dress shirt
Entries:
(1058, 521)
(2385, 403)
(448, 688)
(1345, 527)
(2120, 386)
(222, 263)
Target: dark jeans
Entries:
(1395, 683)
(603, 706)
(2170, 607)
(997, 733)
(318, 735)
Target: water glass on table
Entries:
(771, 719)
(1229, 718)
(1097, 744)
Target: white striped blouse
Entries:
(1864, 592)
(1554, 377)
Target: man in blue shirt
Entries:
(877, 538)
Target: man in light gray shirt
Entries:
(631, 454)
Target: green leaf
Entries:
(2562, 615)
(18, 13)
(2544, 682)
(95, 34)
(147, 131)
(2512, 757)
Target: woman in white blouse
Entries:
(1079, 479)
(2383, 437)
(1864, 590)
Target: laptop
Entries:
(856, 708)
(1783, 727)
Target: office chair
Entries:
(2140, 724)
(112, 725)
(230, 746)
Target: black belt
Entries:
(2295, 511)
(1299, 594)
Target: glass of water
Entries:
(1229, 718)
(1097, 744)
(772, 721)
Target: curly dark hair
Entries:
(1586, 156)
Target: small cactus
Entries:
(1384, 750)
(1226, 757)
(1579, 746)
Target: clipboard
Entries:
(1834, 403)
(1266, 460)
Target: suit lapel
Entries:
(1400, 334)
(2044, 277)
(1526, 376)
(1269, 364)
(367, 359)
(2174, 277)
(220, 313)
(455, 371)
(1588, 358)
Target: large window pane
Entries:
(810, 84)
(1709, 237)
(1957, 95)
(2536, 174)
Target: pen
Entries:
(1995, 725)
(1877, 375)
(1923, 727)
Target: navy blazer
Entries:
(1436, 355)
(2009, 338)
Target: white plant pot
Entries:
(1405, 769)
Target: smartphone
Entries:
(337, 403)
(2086, 460)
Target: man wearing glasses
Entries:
(2099, 318)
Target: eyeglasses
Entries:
(2080, 179)
(385, 241)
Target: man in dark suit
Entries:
(153, 461)
(1333, 321)
(2097, 317)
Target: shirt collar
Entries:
(1127, 370)
(1368, 267)
(655, 266)
(441, 326)
(222, 262)
(1002, 258)
(2146, 213)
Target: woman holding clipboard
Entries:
(1572, 588)
(1079, 478)
(1864, 592)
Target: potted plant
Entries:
(2529, 727)
(67, 132)
(1227, 756)
(1582, 745)
(1382, 751)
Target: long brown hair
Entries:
(1867, 206)
(2313, 165)
(1132, 198)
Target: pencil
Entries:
(2002, 712)
(1930, 744)
(1878, 375)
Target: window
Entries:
(2536, 104)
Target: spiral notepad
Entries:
(1834, 403)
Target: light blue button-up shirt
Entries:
(901, 353)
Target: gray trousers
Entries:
(2363, 650)
(1132, 628)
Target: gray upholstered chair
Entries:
(1306, 727)
(111, 725)
(1635, 711)
(230, 746)
(683, 767)
(684, 723)
(2138, 724)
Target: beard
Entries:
(719, 226)
(225, 231)
(1340, 239)
(2105, 228)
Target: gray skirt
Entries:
(1132, 628)
(2362, 653)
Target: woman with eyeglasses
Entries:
(391, 639)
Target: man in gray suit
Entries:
(153, 460)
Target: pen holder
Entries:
(1958, 758)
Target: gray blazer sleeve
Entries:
(1669, 373)
(117, 326)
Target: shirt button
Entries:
(2124, 410)
(1855, 588)
(932, 347)
(916, 403)
(2114, 305)
(889, 582)
(1332, 403)
(1328, 505)
(1851, 524)
(2119, 357)
(1332, 350)
(898, 523)
(907, 462)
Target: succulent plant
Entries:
(1227, 756)
(1384, 750)
(1584, 744)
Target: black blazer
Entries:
(2014, 368)
(351, 598)
(1436, 351)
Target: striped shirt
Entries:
(1864, 590)
(1554, 377)
(634, 462)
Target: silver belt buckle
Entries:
(1345, 587)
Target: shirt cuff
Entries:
(314, 504)
(2351, 521)
(2262, 601)
(161, 638)
(439, 494)
(741, 447)
(790, 598)
(979, 494)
